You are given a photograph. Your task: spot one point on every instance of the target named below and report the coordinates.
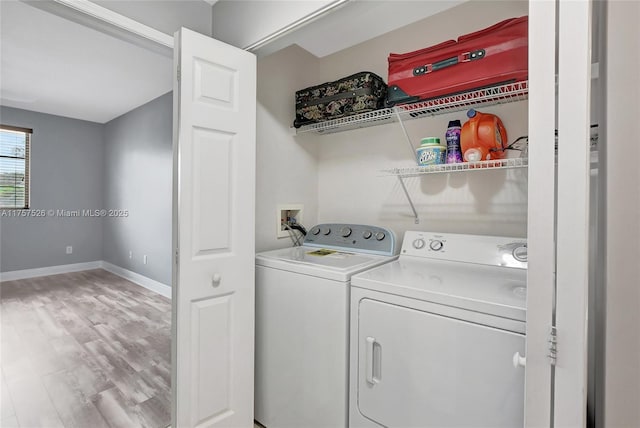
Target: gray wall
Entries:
(66, 173)
(165, 15)
(138, 178)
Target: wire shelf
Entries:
(415, 171)
(508, 93)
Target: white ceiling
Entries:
(355, 22)
(52, 65)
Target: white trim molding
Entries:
(136, 278)
(117, 20)
(253, 47)
(49, 270)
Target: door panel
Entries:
(211, 355)
(215, 105)
(215, 84)
(212, 168)
(416, 368)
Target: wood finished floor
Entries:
(84, 349)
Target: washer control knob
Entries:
(418, 244)
(380, 236)
(345, 231)
(315, 230)
(326, 231)
(436, 245)
(520, 253)
(366, 234)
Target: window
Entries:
(14, 166)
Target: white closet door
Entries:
(541, 216)
(572, 284)
(558, 258)
(214, 194)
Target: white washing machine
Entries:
(302, 324)
(438, 336)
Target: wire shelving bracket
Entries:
(418, 171)
(502, 94)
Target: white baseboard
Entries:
(50, 270)
(136, 278)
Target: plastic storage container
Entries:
(431, 152)
(483, 137)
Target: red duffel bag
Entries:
(485, 58)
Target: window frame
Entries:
(27, 165)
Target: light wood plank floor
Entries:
(84, 349)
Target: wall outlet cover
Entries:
(69, 249)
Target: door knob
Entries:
(215, 279)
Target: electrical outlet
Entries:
(144, 259)
(287, 214)
(69, 249)
(130, 254)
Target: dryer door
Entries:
(416, 368)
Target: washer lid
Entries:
(321, 262)
(491, 290)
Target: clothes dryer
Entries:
(438, 336)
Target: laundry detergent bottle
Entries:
(483, 137)
(454, 154)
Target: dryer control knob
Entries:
(345, 231)
(366, 234)
(327, 231)
(436, 245)
(315, 230)
(418, 244)
(380, 236)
